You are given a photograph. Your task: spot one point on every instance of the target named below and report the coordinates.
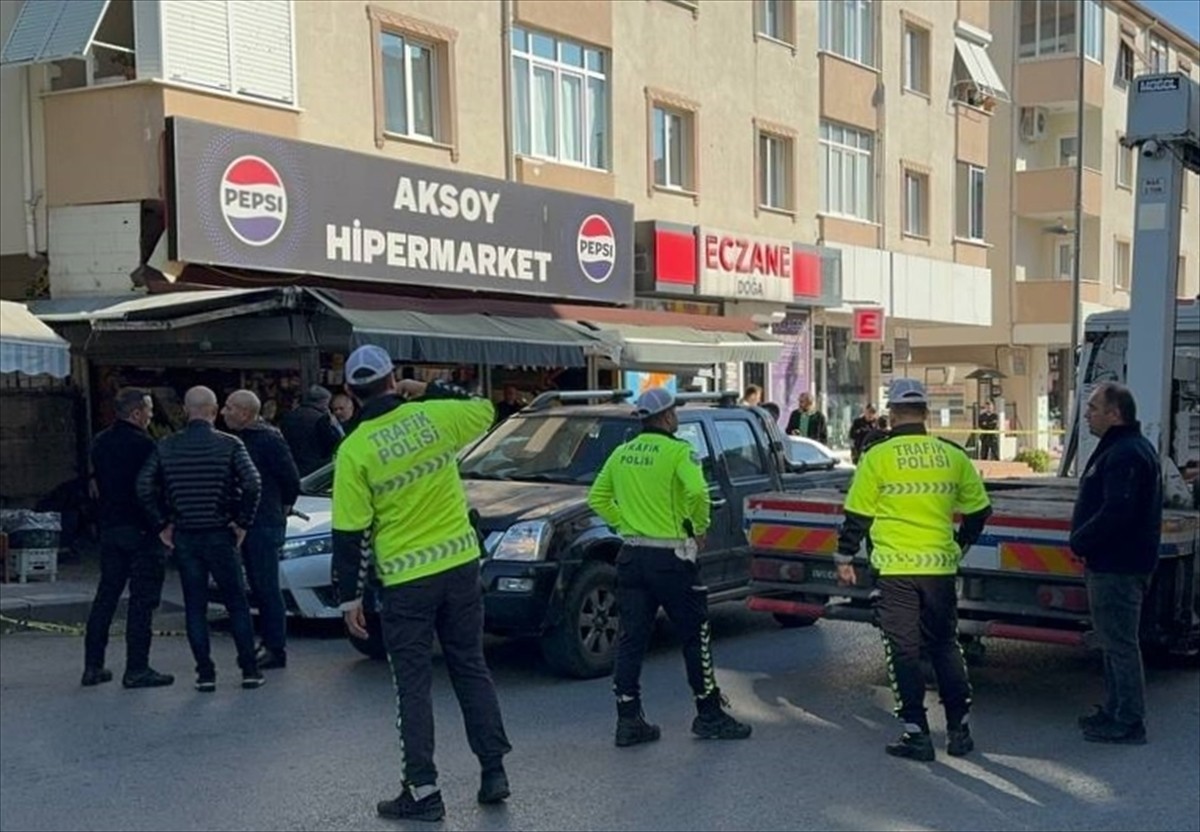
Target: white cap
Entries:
(366, 364)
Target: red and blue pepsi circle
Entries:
(253, 200)
(597, 248)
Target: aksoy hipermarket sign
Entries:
(740, 266)
(258, 202)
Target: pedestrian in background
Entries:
(860, 429)
(988, 425)
(752, 395)
(130, 553)
(397, 496)
(806, 420)
(200, 490)
(345, 410)
(510, 403)
(264, 539)
(905, 493)
(652, 491)
(1116, 530)
(311, 430)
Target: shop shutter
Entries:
(262, 49)
(196, 33)
(52, 30)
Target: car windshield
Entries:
(806, 453)
(547, 448)
(319, 483)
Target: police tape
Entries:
(1049, 431)
(21, 624)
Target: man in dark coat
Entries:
(806, 420)
(310, 430)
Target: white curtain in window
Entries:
(395, 102)
(571, 123)
(544, 114)
(521, 115)
(421, 66)
(597, 123)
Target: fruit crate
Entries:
(32, 563)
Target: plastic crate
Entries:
(37, 563)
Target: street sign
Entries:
(886, 363)
(868, 324)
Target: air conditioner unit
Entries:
(1033, 123)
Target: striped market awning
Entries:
(29, 346)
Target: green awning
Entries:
(677, 345)
(474, 338)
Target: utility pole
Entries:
(1076, 302)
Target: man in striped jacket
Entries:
(200, 490)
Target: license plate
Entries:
(822, 575)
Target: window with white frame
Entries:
(775, 19)
(916, 203)
(1124, 164)
(1064, 259)
(409, 86)
(1047, 27)
(969, 190)
(673, 148)
(1068, 151)
(774, 171)
(848, 29)
(560, 99)
(1121, 264)
(847, 171)
(1093, 29)
(916, 59)
(1125, 68)
(1158, 54)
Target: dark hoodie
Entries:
(280, 479)
(1117, 524)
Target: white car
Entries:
(812, 455)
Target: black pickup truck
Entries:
(548, 559)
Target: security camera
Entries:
(1151, 149)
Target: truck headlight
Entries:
(524, 542)
(304, 547)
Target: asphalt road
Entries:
(315, 748)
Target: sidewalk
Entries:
(69, 599)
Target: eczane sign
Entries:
(734, 265)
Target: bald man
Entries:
(264, 539)
(200, 490)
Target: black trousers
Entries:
(649, 578)
(989, 446)
(449, 604)
(128, 555)
(921, 612)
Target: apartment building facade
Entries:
(1037, 46)
(788, 162)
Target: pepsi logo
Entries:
(597, 248)
(253, 200)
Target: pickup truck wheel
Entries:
(583, 644)
(371, 647)
(791, 622)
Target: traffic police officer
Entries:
(652, 491)
(396, 492)
(905, 492)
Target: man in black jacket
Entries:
(806, 420)
(264, 538)
(988, 423)
(860, 429)
(311, 431)
(129, 551)
(201, 490)
(1116, 530)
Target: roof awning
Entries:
(171, 310)
(52, 30)
(661, 346)
(471, 338)
(29, 346)
(980, 67)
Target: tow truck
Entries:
(1021, 580)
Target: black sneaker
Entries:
(429, 808)
(911, 746)
(93, 676)
(206, 682)
(959, 742)
(713, 723)
(635, 731)
(252, 679)
(1097, 718)
(147, 678)
(493, 786)
(1117, 733)
(270, 659)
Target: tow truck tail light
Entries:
(1068, 598)
(766, 569)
